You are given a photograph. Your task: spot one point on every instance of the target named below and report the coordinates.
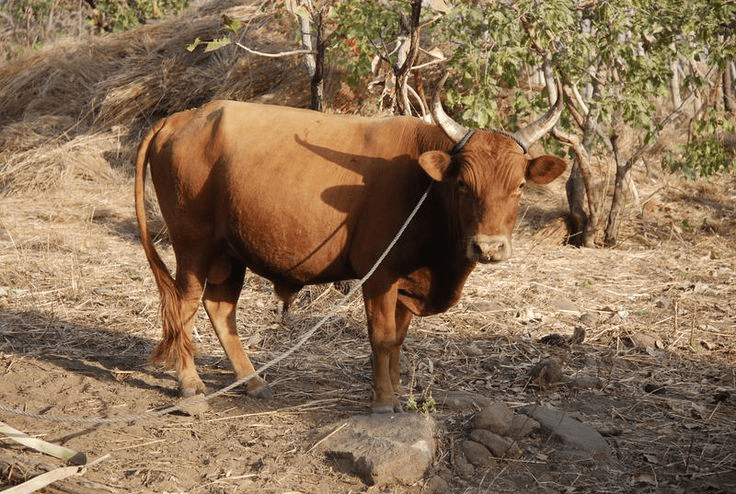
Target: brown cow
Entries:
(302, 197)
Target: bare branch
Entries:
(275, 55)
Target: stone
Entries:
(477, 454)
(572, 433)
(460, 463)
(500, 447)
(547, 372)
(382, 449)
(460, 400)
(436, 485)
(496, 417)
(521, 426)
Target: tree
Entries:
(615, 59)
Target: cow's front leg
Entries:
(380, 308)
(403, 318)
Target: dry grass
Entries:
(78, 306)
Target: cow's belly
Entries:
(296, 239)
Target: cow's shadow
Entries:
(103, 354)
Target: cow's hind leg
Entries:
(190, 286)
(224, 283)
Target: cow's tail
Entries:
(174, 345)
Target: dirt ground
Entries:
(78, 320)
(655, 374)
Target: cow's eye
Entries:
(521, 185)
(461, 185)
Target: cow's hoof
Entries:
(381, 408)
(192, 387)
(262, 392)
(394, 407)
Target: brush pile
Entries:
(82, 102)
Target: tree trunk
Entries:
(675, 84)
(317, 82)
(408, 50)
(314, 64)
(619, 199)
(729, 96)
(582, 227)
(578, 219)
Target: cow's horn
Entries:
(454, 130)
(534, 131)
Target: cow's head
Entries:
(484, 175)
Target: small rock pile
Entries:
(496, 432)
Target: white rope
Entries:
(271, 363)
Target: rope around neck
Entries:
(204, 398)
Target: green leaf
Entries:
(194, 44)
(216, 44)
(231, 24)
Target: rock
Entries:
(572, 433)
(588, 319)
(500, 447)
(642, 340)
(460, 463)
(521, 426)
(547, 372)
(528, 315)
(460, 400)
(436, 485)
(553, 339)
(477, 454)
(383, 449)
(496, 417)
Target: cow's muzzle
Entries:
(489, 248)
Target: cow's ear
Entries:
(436, 164)
(543, 169)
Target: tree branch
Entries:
(275, 55)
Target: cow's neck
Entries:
(436, 283)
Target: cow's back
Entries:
(286, 190)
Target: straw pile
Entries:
(114, 87)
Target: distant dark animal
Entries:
(302, 197)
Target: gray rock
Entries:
(572, 433)
(383, 449)
(496, 417)
(460, 400)
(477, 454)
(521, 426)
(436, 485)
(501, 447)
(460, 463)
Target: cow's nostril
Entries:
(476, 252)
(489, 248)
